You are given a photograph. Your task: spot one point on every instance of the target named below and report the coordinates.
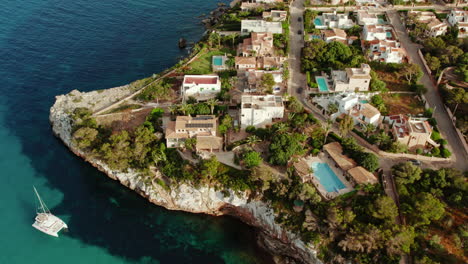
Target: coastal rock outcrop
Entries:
(185, 197)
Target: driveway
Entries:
(459, 156)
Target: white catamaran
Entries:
(45, 221)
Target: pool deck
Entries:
(340, 174)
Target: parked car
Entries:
(299, 19)
(299, 32)
(415, 162)
(299, 90)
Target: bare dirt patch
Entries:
(392, 81)
(125, 120)
(403, 104)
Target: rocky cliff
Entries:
(196, 199)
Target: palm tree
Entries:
(158, 154)
(184, 108)
(281, 128)
(233, 39)
(173, 109)
(212, 103)
(252, 140)
(369, 128)
(327, 127)
(346, 125)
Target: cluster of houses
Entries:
(435, 27)
(256, 56)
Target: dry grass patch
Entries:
(403, 104)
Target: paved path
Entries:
(459, 156)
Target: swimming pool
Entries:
(382, 21)
(318, 22)
(389, 34)
(217, 61)
(363, 101)
(322, 84)
(327, 177)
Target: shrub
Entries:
(445, 153)
(435, 151)
(250, 129)
(419, 151)
(435, 136)
(442, 142)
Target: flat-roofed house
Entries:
(202, 127)
(459, 18)
(333, 20)
(269, 63)
(248, 26)
(380, 32)
(411, 132)
(275, 15)
(366, 18)
(254, 80)
(202, 87)
(260, 110)
(259, 44)
(352, 79)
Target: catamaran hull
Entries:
(49, 224)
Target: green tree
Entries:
(267, 83)
(426, 208)
(385, 208)
(411, 72)
(284, 146)
(406, 173)
(346, 125)
(432, 61)
(142, 144)
(190, 143)
(85, 137)
(209, 168)
(376, 84)
(117, 152)
(368, 160)
(252, 140)
(332, 108)
(251, 159)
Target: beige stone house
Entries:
(201, 127)
(411, 132)
(259, 44)
(352, 79)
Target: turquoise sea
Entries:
(50, 47)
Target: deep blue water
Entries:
(50, 47)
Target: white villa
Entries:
(334, 34)
(389, 51)
(260, 110)
(382, 44)
(352, 104)
(459, 18)
(248, 26)
(351, 79)
(203, 128)
(202, 87)
(434, 25)
(366, 18)
(333, 20)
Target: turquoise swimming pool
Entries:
(327, 177)
(318, 22)
(389, 34)
(363, 101)
(218, 61)
(322, 84)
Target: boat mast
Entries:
(43, 206)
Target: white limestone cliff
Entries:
(184, 197)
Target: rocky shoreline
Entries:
(286, 247)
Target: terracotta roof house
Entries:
(362, 176)
(436, 28)
(335, 151)
(244, 63)
(254, 78)
(202, 87)
(202, 127)
(365, 114)
(259, 44)
(334, 34)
